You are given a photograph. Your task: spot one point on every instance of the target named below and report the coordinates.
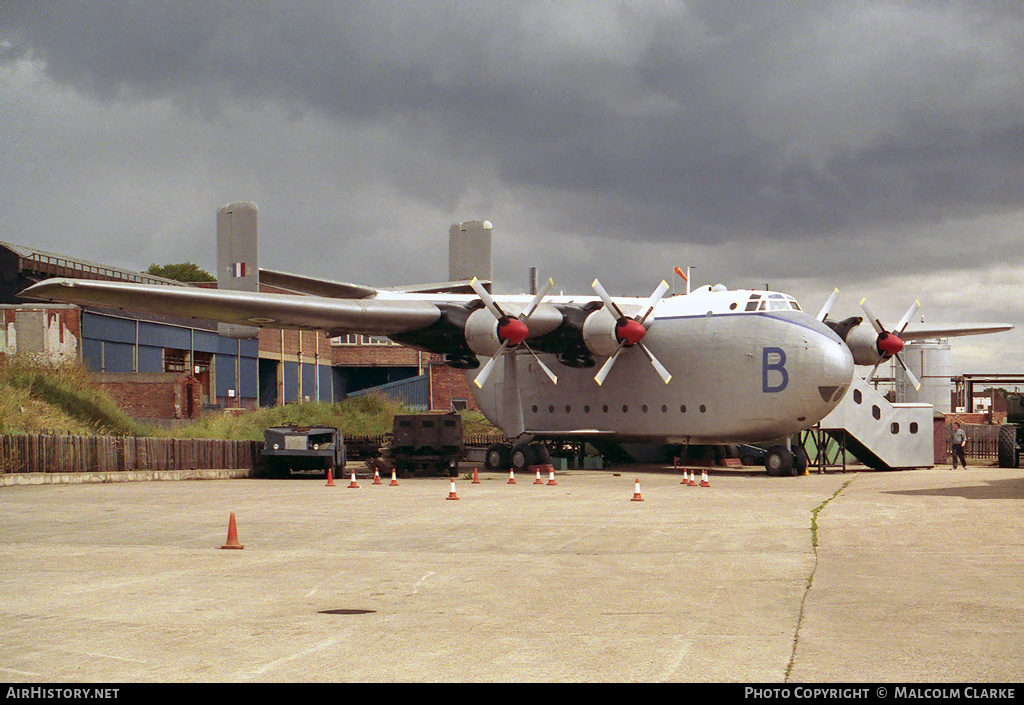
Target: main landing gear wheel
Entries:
(523, 456)
(519, 457)
(779, 462)
(800, 461)
(497, 457)
(541, 454)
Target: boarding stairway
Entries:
(880, 434)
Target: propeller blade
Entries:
(528, 311)
(627, 337)
(607, 366)
(902, 325)
(512, 397)
(871, 317)
(827, 308)
(871, 374)
(487, 368)
(910, 375)
(486, 297)
(653, 301)
(609, 304)
(665, 376)
(550, 374)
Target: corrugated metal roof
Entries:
(414, 392)
(73, 264)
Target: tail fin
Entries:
(237, 262)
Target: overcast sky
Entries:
(877, 147)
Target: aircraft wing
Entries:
(953, 330)
(335, 316)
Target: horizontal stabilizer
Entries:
(315, 286)
(462, 286)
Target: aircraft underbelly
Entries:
(735, 378)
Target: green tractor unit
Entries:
(425, 443)
(1011, 434)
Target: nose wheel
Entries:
(783, 462)
(779, 462)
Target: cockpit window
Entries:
(772, 302)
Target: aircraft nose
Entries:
(836, 368)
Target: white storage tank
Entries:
(929, 360)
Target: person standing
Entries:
(959, 442)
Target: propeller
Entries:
(511, 331)
(630, 331)
(889, 343)
(827, 308)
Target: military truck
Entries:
(309, 450)
(1011, 434)
(424, 443)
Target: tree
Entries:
(182, 272)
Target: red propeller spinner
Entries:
(889, 344)
(630, 331)
(513, 331)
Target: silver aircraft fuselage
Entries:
(746, 366)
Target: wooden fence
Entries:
(982, 440)
(31, 453)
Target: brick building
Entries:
(159, 366)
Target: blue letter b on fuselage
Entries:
(774, 361)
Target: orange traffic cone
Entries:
(376, 477)
(538, 481)
(394, 479)
(692, 482)
(451, 492)
(330, 477)
(551, 476)
(636, 492)
(511, 477)
(704, 479)
(353, 485)
(476, 477)
(232, 534)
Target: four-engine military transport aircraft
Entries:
(711, 367)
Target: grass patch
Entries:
(814, 514)
(368, 415)
(36, 397)
(57, 398)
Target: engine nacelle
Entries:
(863, 343)
(482, 333)
(599, 333)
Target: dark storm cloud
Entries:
(813, 126)
(688, 116)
